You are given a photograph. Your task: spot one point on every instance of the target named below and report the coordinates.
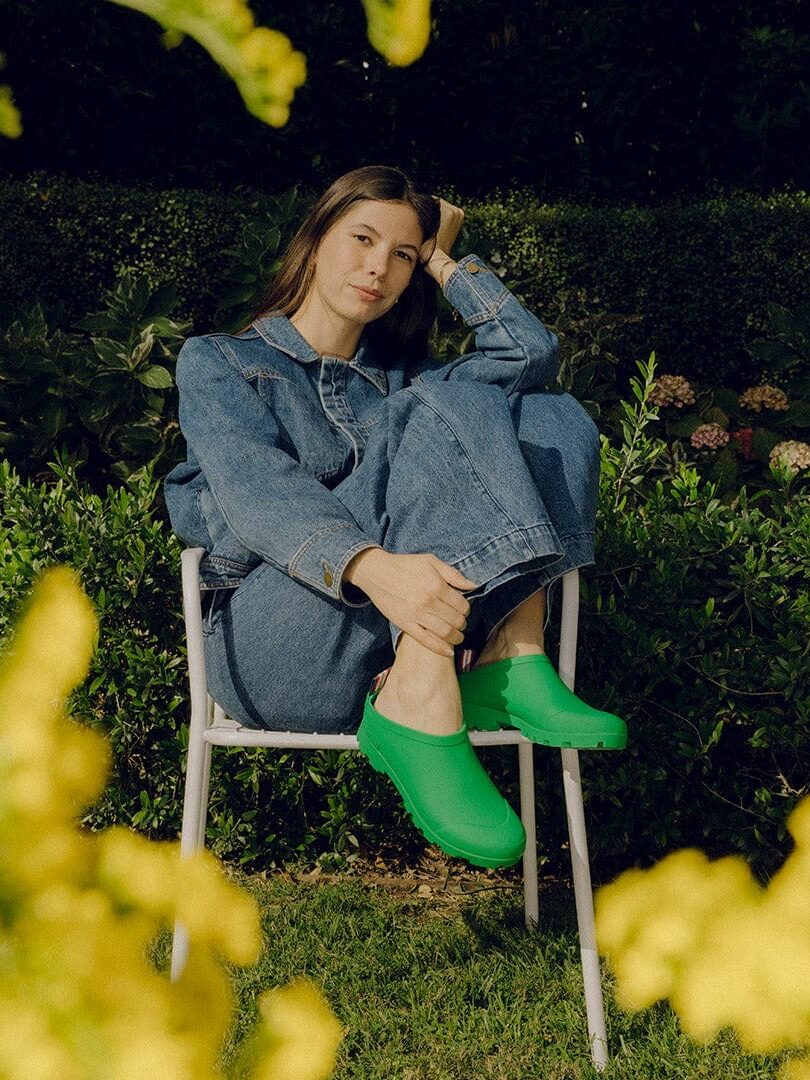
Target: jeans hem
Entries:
(534, 549)
(579, 553)
(505, 553)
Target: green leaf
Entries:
(684, 426)
(797, 415)
(715, 415)
(763, 441)
(775, 354)
(157, 377)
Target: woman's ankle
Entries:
(503, 647)
(520, 633)
(421, 693)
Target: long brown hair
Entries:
(403, 331)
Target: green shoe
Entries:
(527, 693)
(445, 788)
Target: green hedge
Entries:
(64, 242)
(693, 626)
(688, 280)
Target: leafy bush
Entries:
(694, 629)
(106, 396)
(263, 806)
(689, 280)
(738, 435)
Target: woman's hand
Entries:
(450, 222)
(420, 594)
(436, 256)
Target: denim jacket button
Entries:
(473, 268)
(327, 576)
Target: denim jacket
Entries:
(271, 427)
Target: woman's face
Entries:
(365, 261)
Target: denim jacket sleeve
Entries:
(512, 347)
(274, 506)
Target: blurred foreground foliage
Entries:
(79, 996)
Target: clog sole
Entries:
(478, 717)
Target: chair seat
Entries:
(227, 732)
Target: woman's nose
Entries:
(377, 262)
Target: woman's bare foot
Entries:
(421, 690)
(521, 634)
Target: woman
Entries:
(373, 518)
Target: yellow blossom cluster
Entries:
(725, 951)
(78, 995)
(262, 62)
(399, 29)
(10, 124)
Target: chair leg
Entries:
(531, 898)
(192, 836)
(594, 1003)
(206, 780)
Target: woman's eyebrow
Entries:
(362, 225)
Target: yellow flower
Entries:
(217, 912)
(303, 1032)
(78, 992)
(10, 122)
(797, 1069)
(724, 951)
(55, 638)
(399, 29)
(261, 61)
(264, 49)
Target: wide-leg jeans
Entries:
(502, 487)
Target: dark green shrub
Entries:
(106, 396)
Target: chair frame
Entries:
(209, 726)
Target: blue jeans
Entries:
(503, 487)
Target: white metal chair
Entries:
(209, 727)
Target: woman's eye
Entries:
(361, 236)
(405, 255)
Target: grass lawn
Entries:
(435, 977)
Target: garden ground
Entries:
(434, 976)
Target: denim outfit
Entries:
(297, 462)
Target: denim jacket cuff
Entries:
(475, 291)
(321, 560)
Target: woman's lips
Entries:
(366, 295)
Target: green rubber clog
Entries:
(526, 692)
(446, 790)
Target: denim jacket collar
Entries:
(278, 331)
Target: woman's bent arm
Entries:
(513, 349)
